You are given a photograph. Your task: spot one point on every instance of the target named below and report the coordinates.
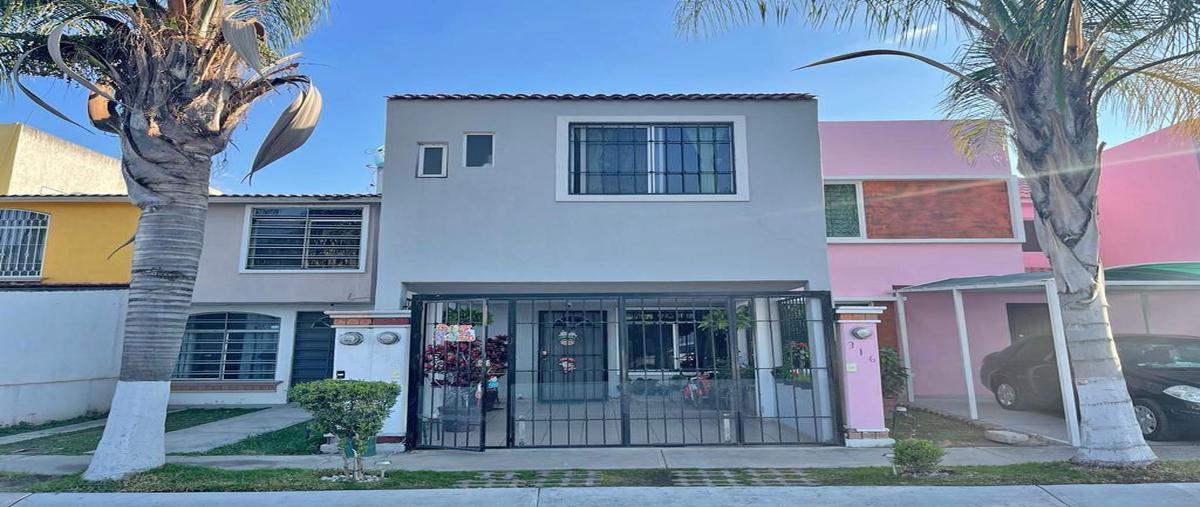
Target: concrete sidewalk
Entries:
(602, 459)
(30, 435)
(211, 435)
(1163, 495)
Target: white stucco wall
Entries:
(220, 281)
(481, 227)
(283, 362)
(61, 352)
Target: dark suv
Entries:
(1161, 371)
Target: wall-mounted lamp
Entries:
(388, 337)
(351, 338)
(862, 333)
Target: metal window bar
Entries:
(648, 159)
(190, 356)
(22, 243)
(305, 238)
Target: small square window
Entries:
(479, 149)
(431, 161)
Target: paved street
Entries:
(1163, 495)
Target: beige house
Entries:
(33, 162)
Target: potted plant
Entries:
(894, 377)
(456, 364)
(796, 369)
(497, 366)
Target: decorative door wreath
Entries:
(567, 338)
(567, 364)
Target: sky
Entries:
(367, 50)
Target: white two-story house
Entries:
(600, 270)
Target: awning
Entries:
(1172, 273)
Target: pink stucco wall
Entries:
(863, 387)
(933, 339)
(873, 269)
(1149, 208)
(902, 148)
(917, 148)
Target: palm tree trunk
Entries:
(166, 256)
(1064, 169)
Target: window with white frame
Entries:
(843, 211)
(479, 149)
(431, 161)
(229, 346)
(22, 243)
(305, 238)
(651, 159)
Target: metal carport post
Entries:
(1063, 361)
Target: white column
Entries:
(902, 324)
(960, 320)
(1062, 360)
(764, 358)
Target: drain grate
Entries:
(545, 479)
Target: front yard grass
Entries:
(14, 429)
(290, 441)
(944, 431)
(184, 478)
(85, 441)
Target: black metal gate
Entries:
(623, 370)
(450, 349)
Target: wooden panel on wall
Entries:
(937, 209)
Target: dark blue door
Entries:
(312, 358)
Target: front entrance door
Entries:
(1027, 319)
(313, 356)
(572, 347)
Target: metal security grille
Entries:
(229, 346)
(651, 159)
(624, 370)
(305, 238)
(22, 243)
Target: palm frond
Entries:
(285, 21)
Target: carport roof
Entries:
(1173, 273)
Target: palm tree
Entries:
(1045, 67)
(172, 80)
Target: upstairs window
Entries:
(228, 346)
(843, 211)
(479, 147)
(431, 161)
(651, 159)
(22, 243)
(300, 238)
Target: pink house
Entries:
(904, 207)
(1154, 179)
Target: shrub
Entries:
(914, 456)
(352, 410)
(892, 372)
